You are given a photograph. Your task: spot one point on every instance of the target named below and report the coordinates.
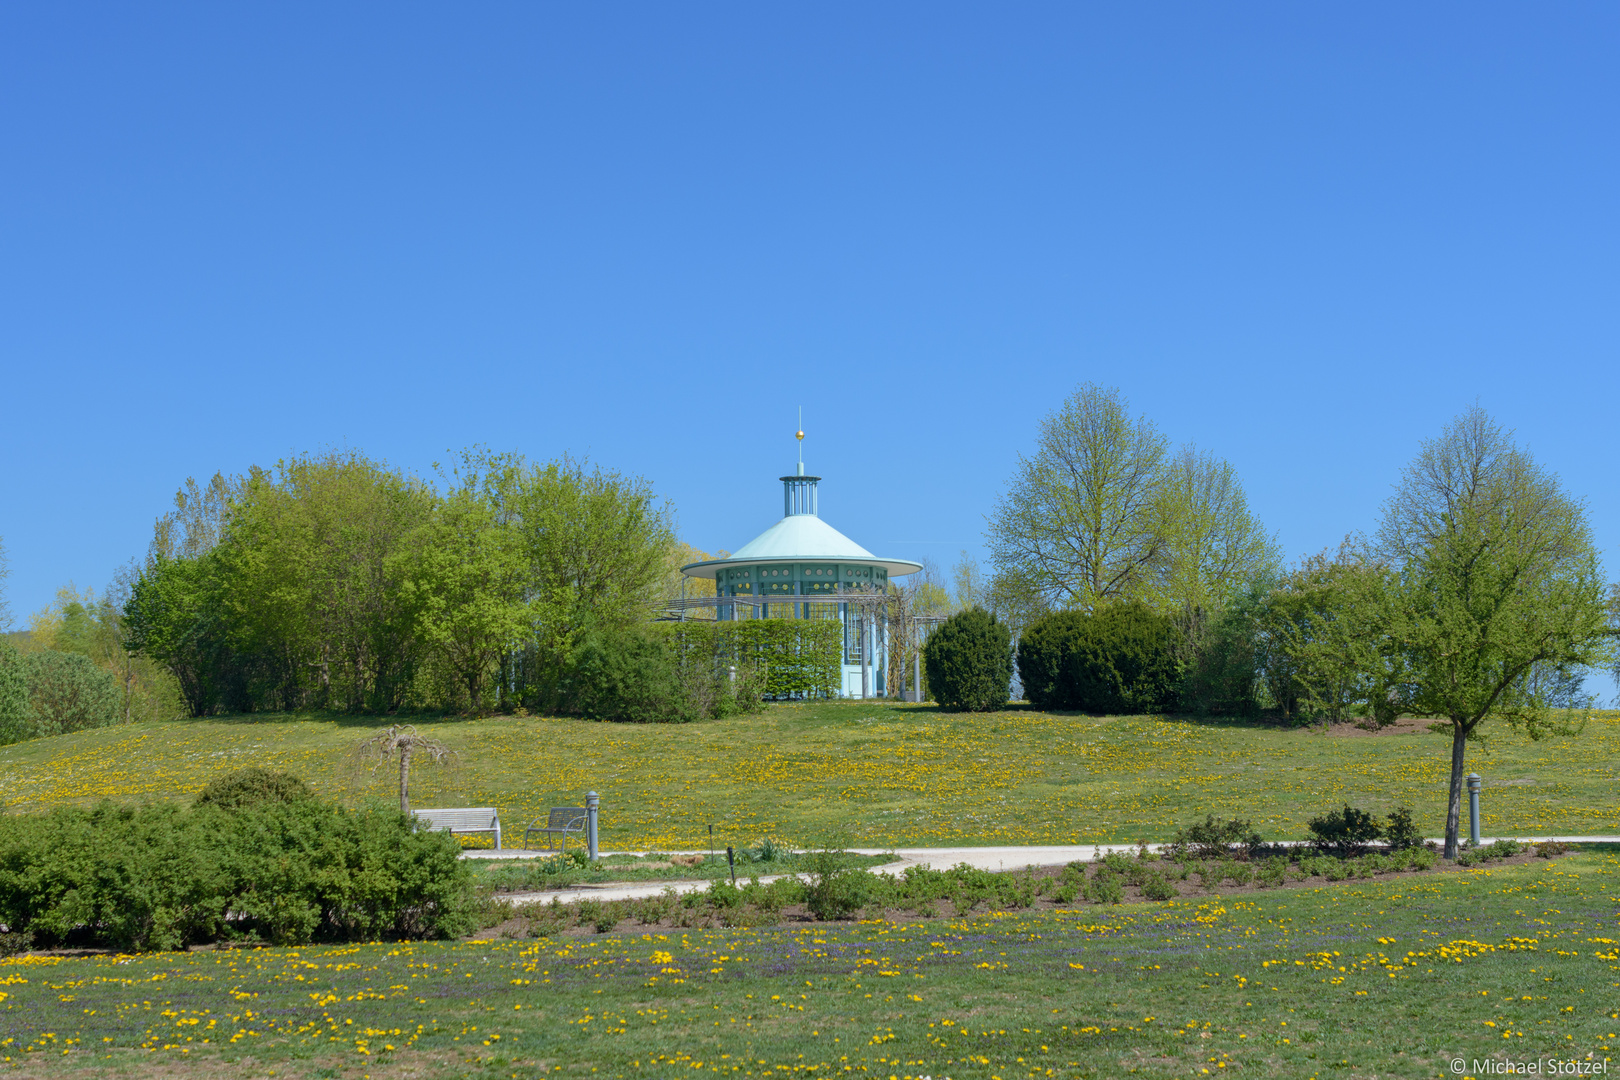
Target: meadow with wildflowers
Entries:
(1394, 978)
(886, 774)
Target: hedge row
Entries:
(799, 657)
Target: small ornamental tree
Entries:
(401, 743)
(969, 661)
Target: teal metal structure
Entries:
(803, 568)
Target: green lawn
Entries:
(1390, 978)
(890, 775)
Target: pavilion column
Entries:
(866, 654)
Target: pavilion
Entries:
(803, 568)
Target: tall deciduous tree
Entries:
(596, 545)
(1210, 544)
(1498, 577)
(1078, 525)
(465, 580)
(5, 572)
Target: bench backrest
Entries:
(566, 817)
(472, 817)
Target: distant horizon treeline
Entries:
(334, 581)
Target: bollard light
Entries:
(1474, 784)
(593, 803)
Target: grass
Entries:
(889, 775)
(1394, 977)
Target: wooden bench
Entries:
(469, 819)
(561, 821)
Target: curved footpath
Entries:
(980, 858)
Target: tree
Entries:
(5, 572)
(1078, 525)
(1210, 544)
(401, 743)
(309, 576)
(465, 581)
(16, 711)
(1497, 577)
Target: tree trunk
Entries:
(1459, 739)
(405, 780)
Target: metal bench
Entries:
(561, 821)
(469, 819)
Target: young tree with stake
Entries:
(1497, 581)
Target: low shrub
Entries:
(1344, 832)
(251, 786)
(1212, 839)
(1399, 831)
(164, 877)
(1158, 887)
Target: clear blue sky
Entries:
(1302, 235)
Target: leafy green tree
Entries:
(595, 544)
(307, 559)
(1326, 634)
(15, 713)
(1078, 525)
(1497, 577)
(1211, 545)
(464, 577)
(969, 662)
(172, 617)
(5, 572)
(1103, 513)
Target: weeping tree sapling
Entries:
(402, 743)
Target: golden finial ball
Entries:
(799, 435)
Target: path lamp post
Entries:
(593, 803)
(1474, 783)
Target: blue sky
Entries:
(1301, 236)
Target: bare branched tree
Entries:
(402, 742)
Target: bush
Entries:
(969, 661)
(1212, 839)
(629, 676)
(1400, 833)
(66, 692)
(1344, 832)
(164, 877)
(251, 786)
(1119, 660)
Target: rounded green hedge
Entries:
(1120, 660)
(969, 662)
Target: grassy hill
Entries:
(888, 774)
